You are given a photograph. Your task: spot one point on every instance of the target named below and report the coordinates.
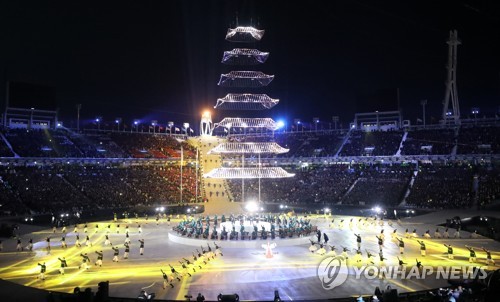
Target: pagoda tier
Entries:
(245, 101)
(245, 34)
(248, 173)
(248, 148)
(245, 79)
(237, 122)
(244, 56)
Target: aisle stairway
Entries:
(217, 204)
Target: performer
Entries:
(141, 248)
(77, 242)
(63, 265)
(116, 252)
(313, 247)
(127, 251)
(166, 280)
(185, 270)
(218, 250)
(85, 228)
(358, 240)
(437, 234)
(401, 245)
(449, 251)
(85, 259)
(358, 255)
(29, 247)
(332, 251)
(380, 243)
(127, 238)
(422, 248)
(382, 235)
(174, 272)
(87, 241)
(75, 230)
(43, 268)
(139, 229)
(394, 234)
(321, 251)
(401, 263)
(446, 235)
(489, 260)
(48, 244)
(63, 242)
(419, 264)
(318, 234)
(407, 234)
(427, 234)
(96, 227)
(381, 259)
(63, 229)
(19, 246)
(325, 238)
(99, 258)
(107, 242)
(344, 253)
(189, 263)
(472, 254)
(414, 234)
(369, 257)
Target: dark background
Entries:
(161, 59)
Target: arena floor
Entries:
(244, 268)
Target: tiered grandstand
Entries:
(44, 170)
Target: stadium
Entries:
(248, 207)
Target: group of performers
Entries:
(189, 267)
(281, 226)
(321, 246)
(85, 262)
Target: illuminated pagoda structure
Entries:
(246, 101)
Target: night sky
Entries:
(161, 59)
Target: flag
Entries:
(191, 130)
(177, 129)
(225, 130)
(419, 120)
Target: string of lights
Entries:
(246, 122)
(245, 79)
(244, 56)
(248, 173)
(245, 101)
(251, 147)
(244, 34)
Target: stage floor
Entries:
(245, 271)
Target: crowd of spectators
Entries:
(354, 184)
(379, 186)
(310, 144)
(488, 185)
(372, 143)
(433, 186)
(429, 142)
(442, 187)
(74, 187)
(478, 140)
(62, 143)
